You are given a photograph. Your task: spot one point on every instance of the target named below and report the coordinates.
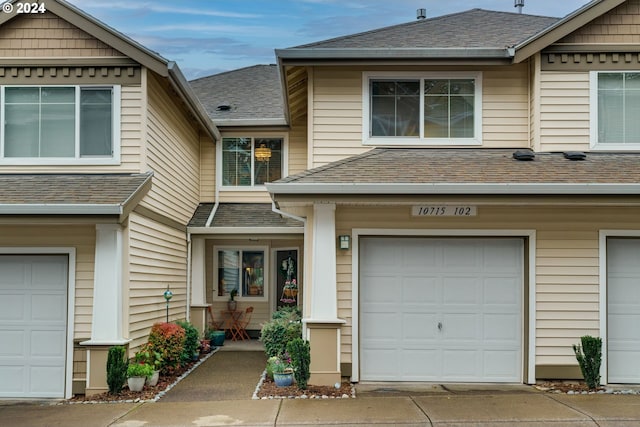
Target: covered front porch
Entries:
(249, 250)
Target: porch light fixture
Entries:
(263, 153)
(345, 242)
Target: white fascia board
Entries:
(245, 230)
(453, 188)
(58, 209)
(251, 122)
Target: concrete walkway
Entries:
(218, 393)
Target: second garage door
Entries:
(441, 309)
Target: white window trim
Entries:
(241, 249)
(593, 116)
(68, 161)
(240, 188)
(419, 140)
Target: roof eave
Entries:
(251, 122)
(563, 27)
(391, 53)
(61, 209)
(312, 189)
(181, 84)
(245, 230)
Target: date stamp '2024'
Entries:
(23, 8)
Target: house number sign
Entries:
(444, 210)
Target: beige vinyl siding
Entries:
(619, 26)
(298, 146)
(157, 258)
(505, 107)
(567, 263)
(80, 237)
(564, 111)
(207, 170)
(46, 35)
(173, 150)
(337, 110)
(337, 115)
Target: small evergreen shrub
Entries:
(191, 342)
(589, 356)
(168, 340)
(300, 354)
(291, 313)
(117, 365)
(276, 333)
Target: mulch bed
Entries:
(269, 390)
(148, 393)
(576, 387)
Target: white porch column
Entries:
(198, 312)
(106, 326)
(324, 295)
(107, 322)
(197, 272)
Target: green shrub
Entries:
(139, 370)
(300, 354)
(291, 313)
(191, 342)
(148, 355)
(589, 356)
(116, 369)
(168, 340)
(276, 333)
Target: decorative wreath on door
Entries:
(290, 289)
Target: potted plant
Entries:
(137, 374)
(232, 304)
(281, 371)
(216, 337)
(149, 356)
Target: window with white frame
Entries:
(243, 270)
(249, 162)
(615, 101)
(422, 109)
(42, 124)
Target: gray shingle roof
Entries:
(476, 28)
(241, 215)
(253, 93)
(471, 166)
(70, 190)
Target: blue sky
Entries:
(210, 36)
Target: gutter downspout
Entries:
(188, 315)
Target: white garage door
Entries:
(33, 325)
(623, 285)
(440, 309)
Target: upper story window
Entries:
(615, 108)
(60, 125)
(250, 162)
(428, 108)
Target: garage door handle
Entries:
(439, 326)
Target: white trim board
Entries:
(355, 295)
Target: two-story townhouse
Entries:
(239, 242)
(100, 149)
(471, 199)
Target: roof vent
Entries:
(224, 107)
(519, 4)
(574, 155)
(421, 14)
(524, 155)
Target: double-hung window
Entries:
(242, 270)
(615, 109)
(249, 162)
(59, 124)
(426, 108)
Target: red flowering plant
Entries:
(167, 339)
